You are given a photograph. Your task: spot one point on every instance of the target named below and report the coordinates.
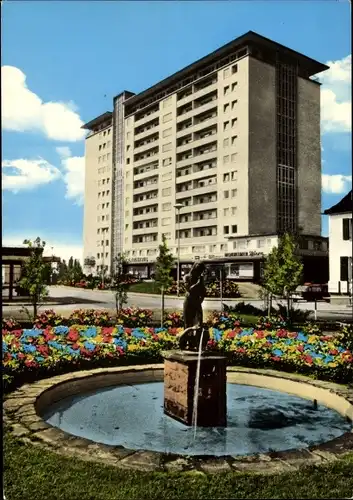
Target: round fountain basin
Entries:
(259, 421)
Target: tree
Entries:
(77, 272)
(34, 274)
(62, 270)
(164, 265)
(119, 282)
(283, 270)
(90, 262)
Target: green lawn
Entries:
(31, 473)
(145, 287)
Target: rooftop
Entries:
(98, 120)
(342, 207)
(312, 66)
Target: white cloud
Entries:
(336, 184)
(336, 103)
(73, 174)
(23, 175)
(63, 151)
(52, 247)
(23, 110)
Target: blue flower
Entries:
(301, 337)
(120, 342)
(29, 348)
(277, 352)
(217, 335)
(328, 359)
(138, 334)
(34, 332)
(39, 359)
(89, 346)
(91, 332)
(314, 354)
(61, 330)
(74, 352)
(56, 345)
(159, 330)
(4, 346)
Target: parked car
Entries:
(311, 292)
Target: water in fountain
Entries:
(196, 388)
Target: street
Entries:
(97, 299)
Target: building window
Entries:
(347, 229)
(167, 132)
(233, 175)
(226, 90)
(167, 147)
(226, 73)
(344, 274)
(166, 162)
(167, 221)
(167, 117)
(226, 159)
(234, 69)
(226, 230)
(234, 103)
(167, 102)
(225, 212)
(226, 194)
(234, 140)
(224, 247)
(234, 193)
(166, 191)
(234, 210)
(226, 108)
(167, 176)
(166, 207)
(233, 157)
(226, 177)
(260, 243)
(226, 125)
(225, 143)
(234, 228)
(234, 86)
(234, 122)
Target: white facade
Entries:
(339, 248)
(98, 196)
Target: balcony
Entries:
(153, 128)
(146, 187)
(197, 94)
(147, 146)
(147, 118)
(141, 231)
(198, 207)
(201, 109)
(146, 174)
(145, 161)
(148, 216)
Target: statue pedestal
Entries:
(179, 386)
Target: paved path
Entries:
(105, 300)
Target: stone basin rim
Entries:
(24, 406)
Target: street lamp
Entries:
(178, 206)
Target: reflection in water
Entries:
(259, 420)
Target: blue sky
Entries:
(63, 62)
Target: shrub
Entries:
(271, 323)
(224, 320)
(173, 320)
(134, 317)
(346, 336)
(90, 317)
(49, 318)
(10, 324)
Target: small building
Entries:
(12, 259)
(340, 254)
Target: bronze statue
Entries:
(193, 317)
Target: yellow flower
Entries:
(133, 347)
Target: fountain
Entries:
(148, 416)
(195, 382)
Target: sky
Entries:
(63, 62)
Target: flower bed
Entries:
(31, 353)
(230, 289)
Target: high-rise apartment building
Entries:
(221, 157)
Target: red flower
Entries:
(75, 346)
(86, 353)
(260, 334)
(107, 330)
(128, 331)
(30, 364)
(241, 350)
(348, 358)
(231, 335)
(43, 349)
(292, 335)
(308, 359)
(73, 336)
(21, 355)
(276, 358)
(282, 334)
(300, 348)
(334, 352)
